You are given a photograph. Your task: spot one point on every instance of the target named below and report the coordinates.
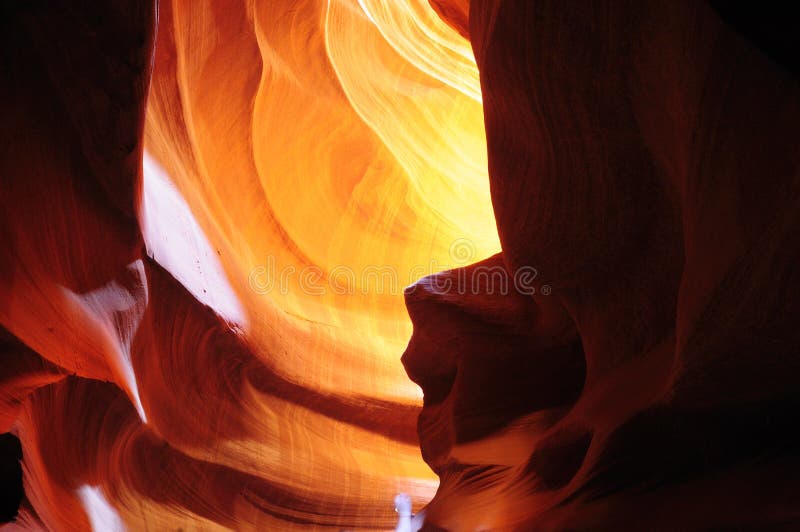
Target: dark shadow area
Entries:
(769, 26)
(10, 476)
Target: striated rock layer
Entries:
(643, 159)
(209, 210)
(208, 213)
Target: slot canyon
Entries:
(439, 265)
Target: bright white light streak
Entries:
(114, 312)
(102, 516)
(175, 240)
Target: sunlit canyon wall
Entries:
(209, 211)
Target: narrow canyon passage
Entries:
(299, 265)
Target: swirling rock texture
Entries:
(209, 208)
(643, 157)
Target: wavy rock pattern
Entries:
(158, 369)
(209, 208)
(643, 158)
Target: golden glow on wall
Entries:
(332, 136)
(332, 152)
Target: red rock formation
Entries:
(643, 158)
(150, 379)
(628, 361)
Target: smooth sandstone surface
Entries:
(209, 212)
